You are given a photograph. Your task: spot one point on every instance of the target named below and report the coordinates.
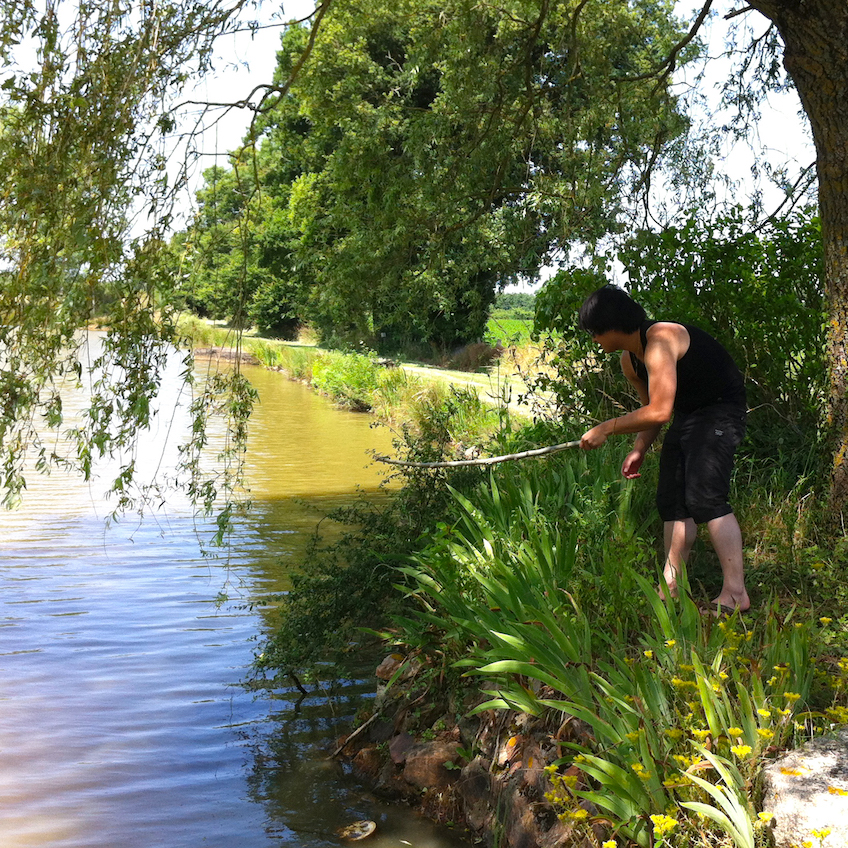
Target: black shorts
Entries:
(696, 463)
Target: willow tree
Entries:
(86, 127)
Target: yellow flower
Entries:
(674, 733)
(663, 824)
(821, 834)
(610, 843)
(700, 734)
(579, 814)
(633, 736)
(734, 731)
(649, 654)
(765, 817)
(765, 733)
(764, 713)
(772, 680)
(785, 712)
(791, 696)
(723, 675)
(825, 620)
(670, 643)
(741, 750)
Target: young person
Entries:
(682, 375)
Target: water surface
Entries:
(123, 721)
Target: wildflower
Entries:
(838, 714)
(765, 817)
(821, 834)
(734, 731)
(610, 843)
(700, 734)
(772, 680)
(649, 654)
(741, 750)
(674, 733)
(663, 824)
(799, 625)
(682, 761)
(551, 769)
(764, 713)
(817, 566)
(723, 675)
(791, 696)
(579, 814)
(825, 620)
(785, 712)
(765, 733)
(670, 643)
(633, 736)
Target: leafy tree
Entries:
(761, 293)
(84, 118)
(430, 152)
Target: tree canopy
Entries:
(429, 153)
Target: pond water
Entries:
(123, 649)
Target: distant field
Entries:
(510, 331)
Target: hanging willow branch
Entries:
(487, 460)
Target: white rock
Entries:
(807, 789)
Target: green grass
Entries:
(511, 332)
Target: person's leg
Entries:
(679, 537)
(727, 541)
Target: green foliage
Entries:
(348, 378)
(430, 152)
(83, 114)
(759, 292)
(517, 591)
(762, 294)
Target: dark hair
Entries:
(610, 308)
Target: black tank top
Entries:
(706, 373)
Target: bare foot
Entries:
(726, 603)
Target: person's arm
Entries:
(644, 438)
(666, 346)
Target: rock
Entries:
(389, 666)
(425, 765)
(399, 747)
(807, 790)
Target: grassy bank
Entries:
(535, 581)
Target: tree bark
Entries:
(815, 36)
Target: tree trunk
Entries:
(815, 35)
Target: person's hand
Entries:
(593, 438)
(632, 463)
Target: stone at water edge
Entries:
(807, 790)
(358, 830)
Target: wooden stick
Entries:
(488, 460)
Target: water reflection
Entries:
(123, 720)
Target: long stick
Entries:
(488, 460)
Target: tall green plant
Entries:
(512, 586)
